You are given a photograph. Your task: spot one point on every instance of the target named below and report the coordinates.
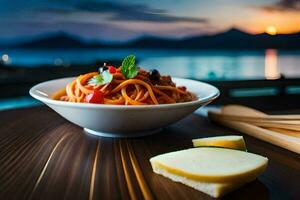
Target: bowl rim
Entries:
(200, 100)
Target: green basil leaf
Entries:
(128, 62)
(96, 80)
(132, 72)
(101, 79)
(107, 77)
(128, 69)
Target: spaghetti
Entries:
(142, 89)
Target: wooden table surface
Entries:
(42, 156)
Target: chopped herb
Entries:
(129, 69)
(101, 79)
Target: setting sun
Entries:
(271, 30)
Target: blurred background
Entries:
(250, 49)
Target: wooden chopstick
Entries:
(259, 119)
(285, 141)
(267, 118)
(276, 125)
(293, 125)
(286, 132)
(244, 111)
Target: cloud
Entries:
(106, 32)
(283, 5)
(107, 21)
(126, 12)
(88, 31)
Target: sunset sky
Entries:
(119, 20)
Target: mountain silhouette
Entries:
(231, 39)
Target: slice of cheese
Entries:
(231, 142)
(214, 171)
(213, 189)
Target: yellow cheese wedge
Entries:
(214, 171)
(213, 189)
(230, 141)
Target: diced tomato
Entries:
(112, 69)
(95, 97)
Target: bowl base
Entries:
(121, 135)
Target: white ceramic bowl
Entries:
(121, 120)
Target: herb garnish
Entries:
(101, 79)
(129, 69)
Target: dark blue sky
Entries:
(123, 20)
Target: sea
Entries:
(196, 64)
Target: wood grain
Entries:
(42, 156)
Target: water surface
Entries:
(197, 64)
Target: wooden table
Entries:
(42, 156)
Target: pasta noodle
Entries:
(140, 90)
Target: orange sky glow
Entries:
(284, 22)
(119, 20)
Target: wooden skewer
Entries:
(286, 132)
(274, 125)
(281, 124)
(259, 119)
(284, 141)
(243, 111)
